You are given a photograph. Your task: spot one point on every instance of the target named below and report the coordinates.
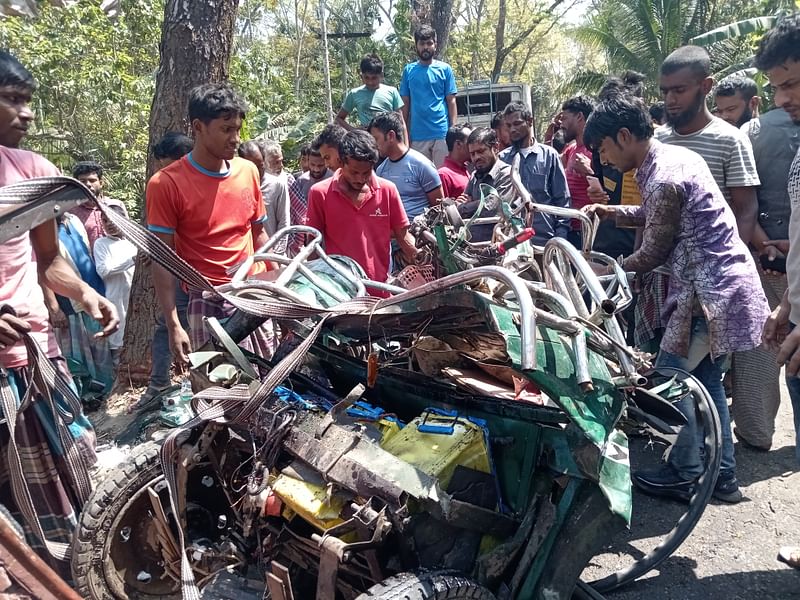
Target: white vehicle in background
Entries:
(479, 100)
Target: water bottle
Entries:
(186, 392)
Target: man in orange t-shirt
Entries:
(208, 207)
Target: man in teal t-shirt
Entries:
(370, 99)
(428, 90)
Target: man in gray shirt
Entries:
(489, 170)
(317, 171)
(541, 172)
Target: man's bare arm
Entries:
(341, 120)
(744, 203)
(435, 196)
(405, 111)
(58, 275)
(452, 109)
(164, 282)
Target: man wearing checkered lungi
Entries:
(44, 460)
(208, 207)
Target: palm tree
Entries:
(639, 34)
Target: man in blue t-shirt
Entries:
(413, 174)
(428, 90)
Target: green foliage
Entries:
(734, 30)
(95, 85)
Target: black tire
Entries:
(708, 420)
(427, 585)
(94, 570)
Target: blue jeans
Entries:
(793, 383)
(161, 354)
(685, 455)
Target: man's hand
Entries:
(582, 165)
(602, 211)
(789, 353)
(101, 310)
(462, 199)
(776, 327)
(779, 247)
(58, 319)
(180, 345)
(11, 329)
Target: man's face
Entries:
(257, 159)
(93, 182)
(617, 152)
(274, 163)
(384, 141)
(304, 162)
(572, 124)
(110, 229)
(316, 167)
(483, 157)
(785, 80)
(519, 129)
(426, 49)
(220, 136)
(684, 95)
(734, 109)
(330, 154)
(356, 174)
(15, 114)
(372, 81)
(460, 153)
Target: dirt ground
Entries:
(730, 554)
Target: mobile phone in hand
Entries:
(778, 265)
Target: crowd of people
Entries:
(696, 202)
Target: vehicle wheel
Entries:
(679, 522)
(114, 546)
(427, 585)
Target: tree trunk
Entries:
(196, 42)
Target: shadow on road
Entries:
(677, 581)
(753, 466)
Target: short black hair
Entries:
(314, 152)
(424, 32)
(737, 83)
(13, 74)
(249, 147)
(622, 111)
(457, 133)
(779, 44)
(358, 145)
(518, 107)
(388, 121)
(483, 135)
(331, 135)
(86, 167)
(173, 145)
(371, 64)
(579, 104)
(658, 111)
(214, 100)
(629, 82)
(305, 149)
(497, 119)
(694, 58)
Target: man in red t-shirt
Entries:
(453, 172)
(577, 158)
(358, 212)
(208, 207)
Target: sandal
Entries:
(790, 555)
